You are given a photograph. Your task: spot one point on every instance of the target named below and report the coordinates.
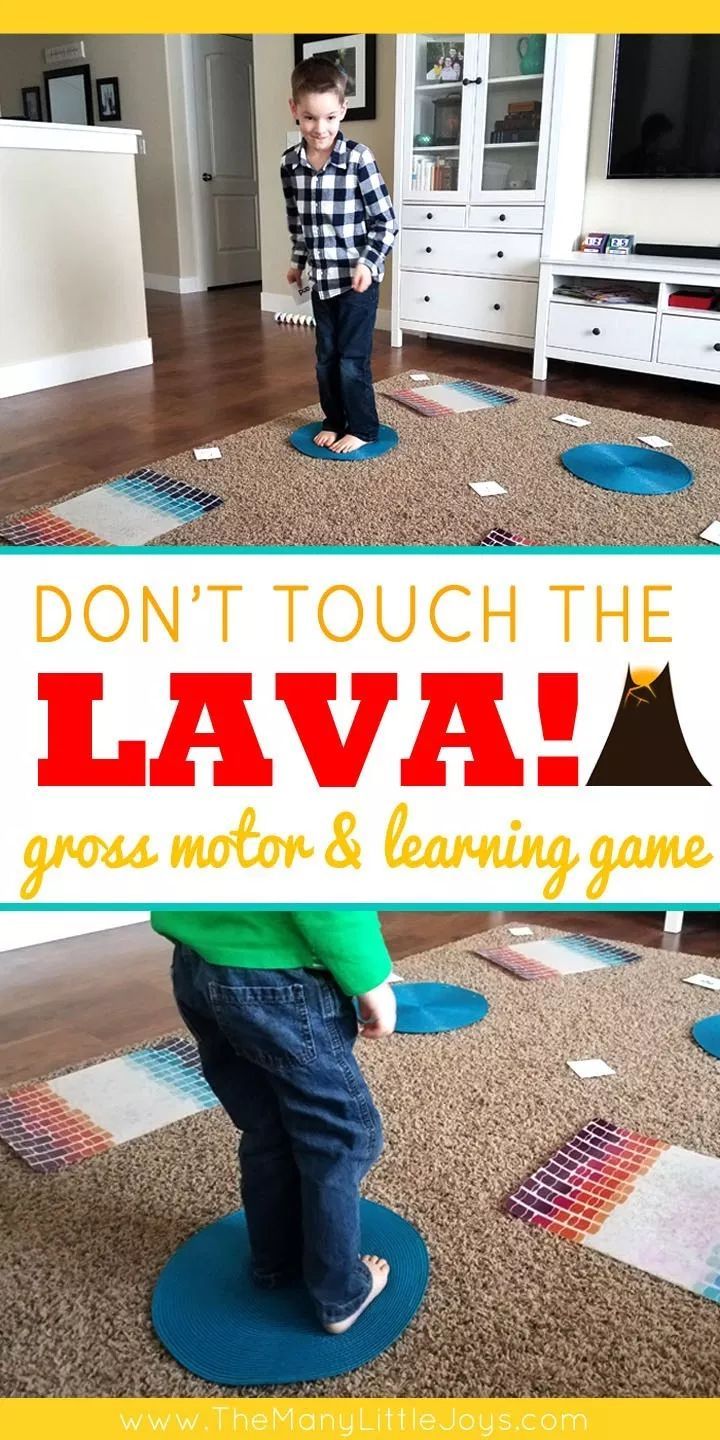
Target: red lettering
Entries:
(307, 698)
(224, 696)
(475, 697)
(70, 760)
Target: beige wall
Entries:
(669, 211)
(71, 277)
(139, 63)
(274, 60)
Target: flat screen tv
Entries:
(666, 107)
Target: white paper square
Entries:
(487, 487)
(706, 982)
(418, 375)
(520, 930)
(207, 452)
(589, 1069)
(712, 532)
(656, 441)
(570, 420)
(395, 978)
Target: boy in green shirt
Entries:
(268, 998)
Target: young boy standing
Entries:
(267, 996)
(342, 225)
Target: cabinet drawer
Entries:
(430, 217)
(479, 253)
(506, 307)
(502, 217)
(686, 340)
(625, 333)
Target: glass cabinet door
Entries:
(441, 88)
(512, 126)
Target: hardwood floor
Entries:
(68, 1002)
(221, 365)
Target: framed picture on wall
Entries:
(32, 103)
(353, 54)
(108, 98)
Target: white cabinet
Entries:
(646, 332)
(491, 139)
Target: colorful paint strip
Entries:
(130, 510)
(55, 1123)
(564, 955)
(643, 1201)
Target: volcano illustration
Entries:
(646, 745)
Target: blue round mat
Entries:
(627, 468)
(707, 1035)
(217, 1324)
(428, 1008)
(304, 441)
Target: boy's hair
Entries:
(316, 77)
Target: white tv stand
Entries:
(653, 339)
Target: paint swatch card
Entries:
(502, 538)
(564, 955)
(590, 1069)
(487, 487)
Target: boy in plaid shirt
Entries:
(342, 225)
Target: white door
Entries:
(223, 68)
(512, 118)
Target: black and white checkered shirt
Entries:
(338, 217)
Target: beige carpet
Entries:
(418, 494)
(509, 1310)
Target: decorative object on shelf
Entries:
(531, 53)
(32, 103)
(444, 62)
(594, 242)
(446, 124)
(695, 300)
(108, 98)
(619, 244)
(355, 55)
(520, 123)
(423, 139)
(68, 95)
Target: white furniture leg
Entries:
(673, 922)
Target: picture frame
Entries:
(108, 98)
(32, 102)
(68, 95)
(357, 56)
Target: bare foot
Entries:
(379, 1271)
(326, 438)
(346, 444)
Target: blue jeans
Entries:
(343, 342)
(276, 1047)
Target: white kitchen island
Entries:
(72, 295)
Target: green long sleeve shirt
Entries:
(347, 943)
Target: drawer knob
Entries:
(428, 249)
(496, 306)
(500, 254)
(595, 330)
(466, 81)
(502, 217)
(427, 299)
(429, 215)
(716, 347)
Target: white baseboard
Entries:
(75, 365)
(37, 927)
(175, 284)
(269, 301)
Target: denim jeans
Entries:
(276, 1047)
(343, 341)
